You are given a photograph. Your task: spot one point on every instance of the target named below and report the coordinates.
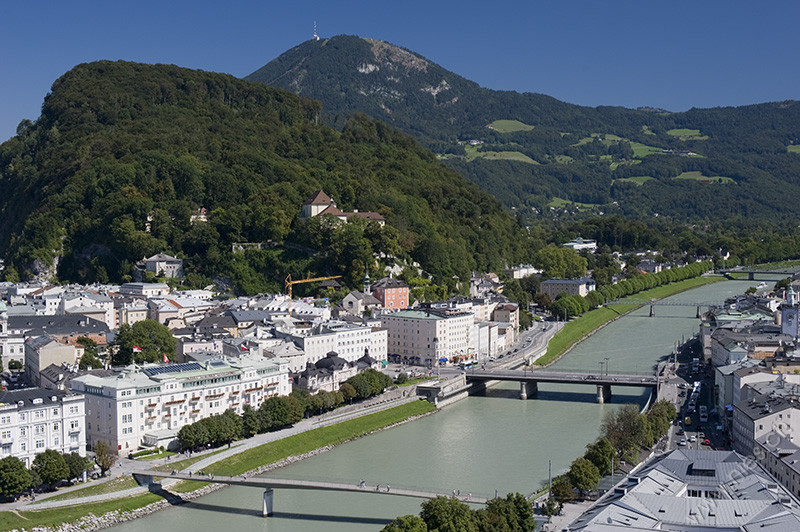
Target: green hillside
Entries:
(124, 153)
(585, 155)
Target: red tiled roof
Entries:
(318, 198)
(366, 215)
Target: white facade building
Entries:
(33, 420)
(423, 337)
(150, 404)
(350, 342)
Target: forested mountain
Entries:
(124, 153)
(551, 159)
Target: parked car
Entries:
(682, 442)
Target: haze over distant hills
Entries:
(548, 158)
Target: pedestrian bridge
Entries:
(271, 484)
(529, 380)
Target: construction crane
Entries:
(289, 283)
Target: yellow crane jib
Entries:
(289, 282)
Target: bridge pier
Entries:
(751, 276)
(527, 388)
(268, 498)
(603, 393)
(652, 311)
(698, 312)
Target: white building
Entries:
(423, 337)
(96, 306)
(756, 417)
(144, 289)
(350, 342)
(148, 405)
(581, 243)
(571, 287)
(33, 420)
(164, 265)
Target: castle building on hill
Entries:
(320, 203)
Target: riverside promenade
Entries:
(125, 466)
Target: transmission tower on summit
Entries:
(316, 37)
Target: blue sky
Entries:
(674, 55)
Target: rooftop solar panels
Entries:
(173, 368)
(218, 363)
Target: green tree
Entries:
(562, 490)
(76, 463)
(89, 359)
(559, 262)
(601, 454)
(512, 513)
(448, 515)
(551, 507)
(625, 428)
(14, 477)
(50, 466)
(193, 436)
(251, 425)
(583, 475)
(145, 341)
(348, 392)
(105, 456)
(406, 523)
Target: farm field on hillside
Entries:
(509, 126)
(697, 176)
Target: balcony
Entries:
(195, 398)
(215, 396)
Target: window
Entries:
(6, 435)
(127, 418)
(74, 410)
(38, 414)
(23, 446)
(40, 444)
(55, 426)
(5, 420)
(39, 430)
(56, 441)
(55, 412)
(23, 431)
(73, 438)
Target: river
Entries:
(478, 445)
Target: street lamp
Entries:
(606, 359)
(601, 367)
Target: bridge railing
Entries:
(638, 372)
(370, 483)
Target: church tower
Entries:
(366, 281)
(789, 320)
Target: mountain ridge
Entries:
(609, 159)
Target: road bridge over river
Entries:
(529, 380)
(271, 484)
(752, 272)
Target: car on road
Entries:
(528, 339)
(707, 442)
(692, 438)
(680, 432)
(682, 442)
